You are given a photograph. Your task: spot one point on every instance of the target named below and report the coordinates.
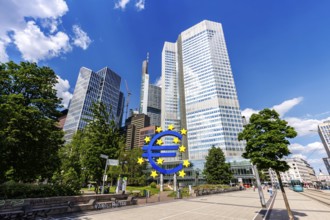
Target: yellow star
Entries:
(182, 173)
(159, 129)
(176, 140)
(170, 127)
(186, 163)
(183, 131)
(154, 174)
(159, 142)
(182, 148)
(140, 160)
(147, 139)
(160, 161)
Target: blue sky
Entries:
(279, 50)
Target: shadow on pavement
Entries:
(282, 214)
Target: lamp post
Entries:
(105, 169)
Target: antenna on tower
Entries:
(127, 100)
(147, 57)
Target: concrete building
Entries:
(324, 132)
(301, 170)
(147, 131)
(91, 87)
(199, 94)
(150, 97)
(134, 124)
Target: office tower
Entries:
(133, 126)
(150, 97)
(91, 87)
(199, 94)
(324, 132)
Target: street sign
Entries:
(104, 156)
(105, 177)
(111, 162)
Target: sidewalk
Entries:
(302, 207)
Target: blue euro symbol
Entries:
(150, 151)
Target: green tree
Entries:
(267, 143)
(29, 137)
(71, 170)
(100, 136)
(216, 170)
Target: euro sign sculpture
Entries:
(155, 151)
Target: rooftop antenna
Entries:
(127, 100)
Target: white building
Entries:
(150, 97)
(301, 170)
(199, 93)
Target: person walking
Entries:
(270, 190)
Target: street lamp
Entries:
(105, 169)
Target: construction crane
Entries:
(127, 99)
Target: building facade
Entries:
(150, 97)
(134, 125)
(301, 170)
(199, 94)
(324, 132)
(91, 87)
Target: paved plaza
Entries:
(232, 206)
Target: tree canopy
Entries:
(266, 139)
(100, 136)
(29, 108)
(216, 170)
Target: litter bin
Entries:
(146, 193)
(179, 194)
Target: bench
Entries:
(44, 210)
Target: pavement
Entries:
(239, 205)
(302, 207)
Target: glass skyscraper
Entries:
(150, 97)
(324, 132)
(199, 94)
(101, 86)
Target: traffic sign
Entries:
(111, 162)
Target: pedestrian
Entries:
(270, 190)
(254, 188)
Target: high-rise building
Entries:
(199, 94)
(134, 124)
(324, 132)
(91, 87)
(150, 97)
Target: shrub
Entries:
(153, 185)
(13, 190)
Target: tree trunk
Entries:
(284, 196)
(261, 194)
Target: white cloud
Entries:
(81, 39)
(248, 112)
(35, 45)
(282, 108)
(287, 105)
(303, 126)
(140, 5)
(3, 54)
(312, 148)
(121, 4)
(299, 156)
(62, 88)
(158, 82)
(33, 27)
